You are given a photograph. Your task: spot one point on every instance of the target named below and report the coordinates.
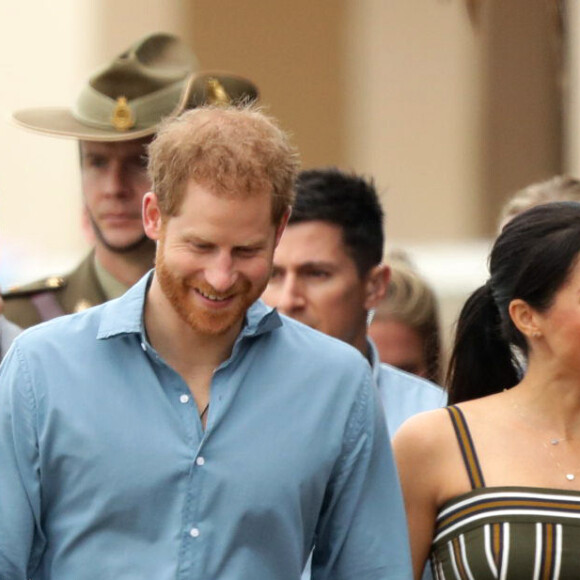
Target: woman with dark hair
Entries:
(492, 484)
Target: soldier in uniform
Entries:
(114, 119)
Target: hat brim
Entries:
(59, 122)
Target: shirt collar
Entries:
(260, 319)
(124, 315)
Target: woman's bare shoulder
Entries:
(427, 443)
(484, 409)
(424, 433)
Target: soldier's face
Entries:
(114, 180)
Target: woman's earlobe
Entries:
(523, 317)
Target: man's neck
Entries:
(127, 268)
(361, 343)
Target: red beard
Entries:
(186, 297)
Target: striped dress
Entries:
(506, 533)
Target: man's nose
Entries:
(291, 297)
(115, 181)
(221, 273)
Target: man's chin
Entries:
(127, 245)
(212, 326)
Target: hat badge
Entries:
(216, 94)
(122, 118)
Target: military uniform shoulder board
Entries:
(82, 304)
(35, 302)
(50, 284)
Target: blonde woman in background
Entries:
(557, 188)
(405, 326)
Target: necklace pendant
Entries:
(570, 477)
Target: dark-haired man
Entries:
(328, 274)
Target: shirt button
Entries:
(194, 532)
(144, 346)
(184, 398)
(200, 460)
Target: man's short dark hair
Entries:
(348, 201)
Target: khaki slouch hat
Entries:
(125, 99)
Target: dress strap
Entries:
(467, 448)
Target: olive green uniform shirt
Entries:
(54, 296)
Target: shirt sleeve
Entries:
(362, 531)
(21, 538)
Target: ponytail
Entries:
(482, 362)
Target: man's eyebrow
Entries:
(257, 244)
(190, 236)
(316, 264)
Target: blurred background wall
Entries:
(449, 105)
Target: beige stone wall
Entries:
(39, 202)
(522, 99)
(294, 51)
(413, 114)
(572, 94)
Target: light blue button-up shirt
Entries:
(106, 472)
(403, 394)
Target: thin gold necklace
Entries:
(553, 442)
(569, 475)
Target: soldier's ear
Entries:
(152, 221)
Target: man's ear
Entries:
(151, 216)
(524, 318)
(377, 281)
(282, 225)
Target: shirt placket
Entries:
(195, 533)
(191, 551)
